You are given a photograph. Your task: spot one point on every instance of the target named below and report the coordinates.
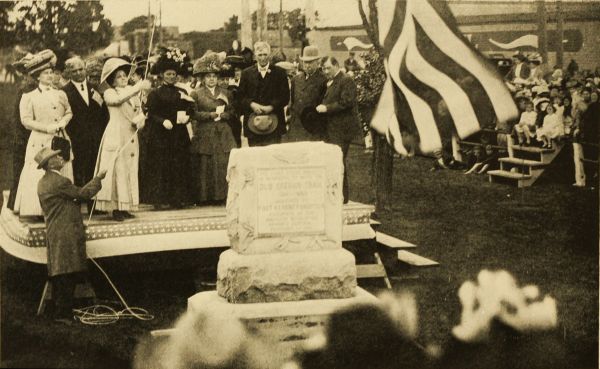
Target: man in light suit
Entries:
(90, 117)
(339, 105)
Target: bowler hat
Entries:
(310, 53)
(44, 155)
(312, 121)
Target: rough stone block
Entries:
(324, 274)
(285, 198)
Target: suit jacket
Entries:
(305, 92)
(342, 114)
(273, 90)
(85, 130)
(60, 201)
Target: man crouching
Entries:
(61, 204)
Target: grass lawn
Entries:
(545, 235)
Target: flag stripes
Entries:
(437, 83)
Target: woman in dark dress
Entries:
(213, 138)
(169, 110)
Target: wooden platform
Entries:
(152, 231)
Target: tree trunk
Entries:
(543, 41)
(560, 31)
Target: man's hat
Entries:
(262, 124)
(310, 53)
(44, 155)
(312, 121)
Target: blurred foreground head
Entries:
(206, 340)
(504, 326)
(368, 336)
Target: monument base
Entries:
(287, 324)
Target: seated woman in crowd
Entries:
(46, 112)
(552, 127)
(525, 129)
(213, 139)
(119, 151)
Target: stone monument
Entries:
(286, 269)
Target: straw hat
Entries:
(44, 155)
(111, 65)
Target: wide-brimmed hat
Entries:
(44, 155)
(38, 62)
(208, 63)
(171, 58)
(262, 124)
(111, 66)
(237, 61)
(310, 53)
(312, 121)
(286, 65)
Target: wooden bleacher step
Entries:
(415, 260)
(507, 174)
(392, 242)
(534, 149)
(524, 162)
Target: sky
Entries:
(205, 15)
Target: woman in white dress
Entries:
(119, 150)
(46, 112)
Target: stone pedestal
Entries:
(286, 323)
(294, 276)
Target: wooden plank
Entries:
(374, 222)
(370, 271)
(415, 260)
(392, 242)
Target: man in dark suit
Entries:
(90, 117)
(65, 232)
(308, 88)
(263, 90)
(339, 104)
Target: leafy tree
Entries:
(6, 26)
(232, 25)
(134, 23)
(78, 26)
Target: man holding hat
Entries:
(263, 94)
(90, 116)
(307, 91)
(65, 233)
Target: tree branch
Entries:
(370, 28)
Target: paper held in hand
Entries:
(182, 117)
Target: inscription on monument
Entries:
(291, 201)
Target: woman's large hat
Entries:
(208, 63)
(43, 60)
(171, 58)
(111, 66)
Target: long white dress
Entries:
(39, 109)
(120, 188)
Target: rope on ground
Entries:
(103, 314)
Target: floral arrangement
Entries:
(176, 55)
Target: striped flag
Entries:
(437, 83)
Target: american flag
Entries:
(437, 83)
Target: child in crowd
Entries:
(551, 129)
(525, 129)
